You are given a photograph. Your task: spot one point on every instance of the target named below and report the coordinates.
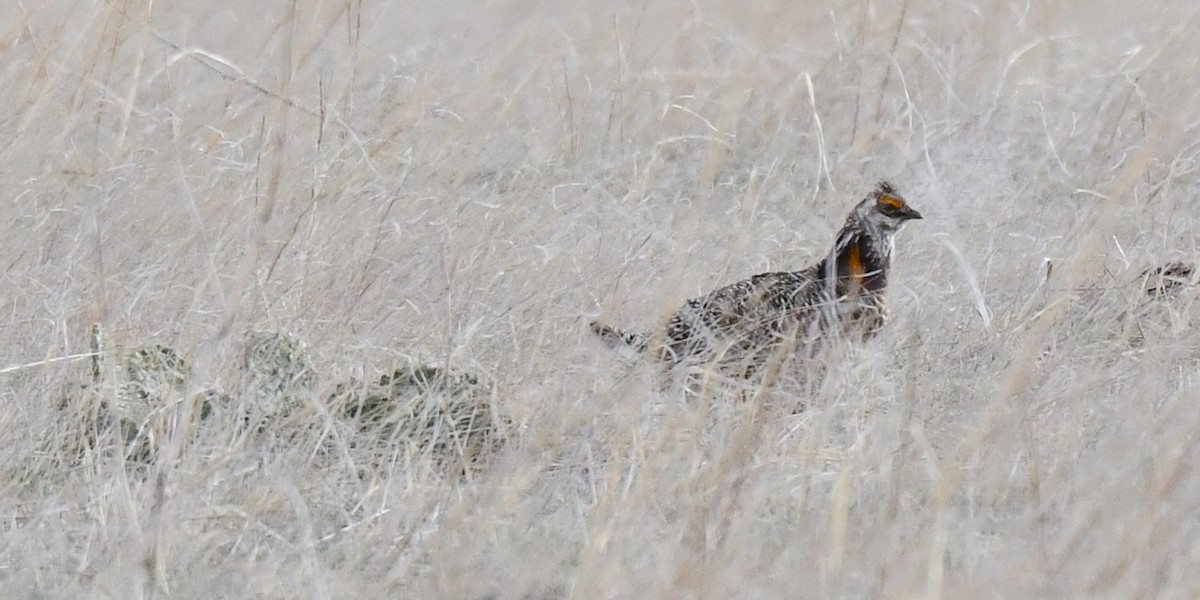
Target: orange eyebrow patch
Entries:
(891, 201)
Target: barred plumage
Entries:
(1166, 279)
(740, 326)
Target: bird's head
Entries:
(884, 211)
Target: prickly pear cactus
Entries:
(152, 373)
(279, 370)
(129, 404)
(444, 414)
(154, 376)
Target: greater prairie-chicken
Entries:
(1169, 278)
(741, 326)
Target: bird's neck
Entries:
(857, 263)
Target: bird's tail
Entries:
(616, 338)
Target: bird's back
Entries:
(744, 321)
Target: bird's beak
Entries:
(910, 213)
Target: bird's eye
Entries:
(890, 205)
(889, 209)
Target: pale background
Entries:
(470, 184)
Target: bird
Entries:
(739, 328)
(1169, 278)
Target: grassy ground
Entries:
(466, 186)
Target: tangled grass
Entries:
(432, 200)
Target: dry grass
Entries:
(464, 186)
